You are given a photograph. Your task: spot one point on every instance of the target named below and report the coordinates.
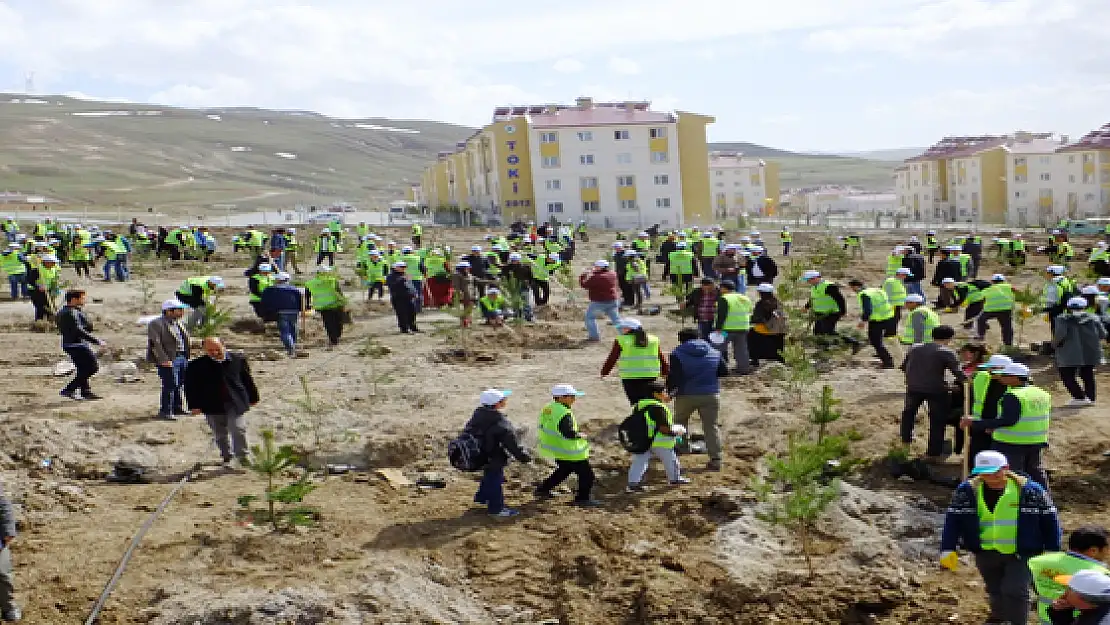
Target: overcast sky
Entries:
(799, 74)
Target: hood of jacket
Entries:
(696, 348)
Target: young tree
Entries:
(825, 412)
(271, 461)
(1025, 301)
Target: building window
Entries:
(554, 207)
(659, 157)
(1046, 160)
(721, 184)
(915, 167)
(626, 181)
(628, 205)
(736, 184)
(586, 159)
(620, 135)
(1090, 197)
(1071, 178)
(1088, 158)
(719, 173)
(1046, 177)
(588, 183)
(662, 179)
(1021, 178)
(1071, 159)
(658, 133)
(549, 137)
(624, 158)
(662, 202)
(975, 180)
(554, 185)
(974, 164)
(591, 207)
(1019, 161)
(1088, 178)
(550, 162)
(585, 135)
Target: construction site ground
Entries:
(389, 551)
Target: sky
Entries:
(810, 75)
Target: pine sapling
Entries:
(1025, 300)
(270, 461)
(825, 412)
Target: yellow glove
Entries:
(949, 560)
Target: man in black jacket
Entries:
(664, 256)
(478, 268)
(947, 267)
(77, 342)
(761, 268)
(219, 386)
(915, 262)
(402, 295)
(490, 425)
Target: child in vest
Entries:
(660, 424)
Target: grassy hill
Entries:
(808, 170)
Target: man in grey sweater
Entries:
(8, 610)
(925, 368)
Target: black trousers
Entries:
(333, 324)
(637, 388)
(765, 347)
(1086, 373)
(1005, 321)
(41, 304)
(972, 311)
(563, 470)
(82, 267)
(416, 241)
(876, 331)
(892, 327)
(328, 255)
(376, 287)
(406, 314)
(938, 418)
(84, 361)
(825, 325)
(541, 291)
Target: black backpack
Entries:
(633, 433)
(465, 452)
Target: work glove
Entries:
(949, 560)
(678, 430)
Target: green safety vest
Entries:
(552, 444)
(79, 252)
(376, 270)
(494, 260)
(325, 244)
(931, 243)
(641, 245)
(972, 293)
(325, 293)
(417, 230)
(436, 265)
(979, 385)
(1017, 246)
(48, 278)
(290, 243)
(492, 303)
(11, 264)
(932, 320)
(40, 230)
(881, 310)
(786, 237)
(120, 247)
(1032, 428)
(998, 528)
(541, 269)
(852, 240)
(893, 264)
(362, 230)
(637, 363)
(634, 269)
(999, 298)
(682, 262)
(820, 301)
(895, 291)
(109, 250)
(412, 266)
(661, 440)
(265, 281)
(1046, 567)
(186, 287)
(709, 247)
(739, 316)
(256, 238)
(965, 260)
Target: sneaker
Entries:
(680, 481)
(1078, 403)
(543, 494)
(632, 489)
(166, 417)
(506, 513)
(587, 503)
(91, 396)
(70, 395)
(11, 615)
(417, 331)
(714, 465)
(228, 464)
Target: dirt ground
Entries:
(394, 553)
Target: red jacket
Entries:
(601, 285)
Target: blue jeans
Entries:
(741, 282)
(121, 268)
(108, 265)
(526, 299)
(173, 377)
(609, 309)
(287, 328)
(490, 490)
(914, 288)
(418, 304)
(18, 284)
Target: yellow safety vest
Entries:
(820, 301)
(932, 320)
(999, 298)
(1047, 567)
(638, 363)
(881, 310)
(552, 444)
(739, 316)
(661, 440)
(998, 528)
(1032, 428)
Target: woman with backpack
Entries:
(638, 359)
(661, 435)
(768, 335)
(496, 437)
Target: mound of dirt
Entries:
(536, 337)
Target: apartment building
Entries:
(1086, 164)
(613, 164)
(742, 185)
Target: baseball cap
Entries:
(173, 304)
(14, 245)
(217, 280)
(49, 258)
(601, 264)
(998, 278)
(463, 263)
(475, 248)
(988, 462)
(680, 245)
(765, 288)
(554, 257)
(493, 290)
(904, 271)
(757, 250)
(493, 396)
(407, 248)
(811, 274)
(283, 277)
(515, 256)
(997, 361)
(565, 390)
(1077, 302)
(1016, 369)
(617, 245)
(375, 252)
(265, 267)
(1103, 282)
(1092, 585)
(400, 264)
(948, 281)
(630, 253)
(915, 298)
(629, 324)
(1090, 289)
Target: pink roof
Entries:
(1098, 139)
(599, 116)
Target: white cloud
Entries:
(568, 66)
(621, 65)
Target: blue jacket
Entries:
(695, 368)
(282, 298)
(1038, 527)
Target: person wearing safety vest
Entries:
(682, 266)
(362, 230)
(920, 321)
(894, 260)
(1088, 549)
(376, 270)
(325, 248)
(734, 321)
(14, 265)
(638, 359)
(998, 303)
(323, 294)
(827, 304)
(852, 244)
(417, 234)
(786, 238)
(708, 247)
(895, 289)
(931, 244)
(256, 284)
(643, 245)
(11, 229)
(561, 440)
(1058, 289)
(663, 432)
(292, 247)
(1004, 519)
(415, 270)
(542, 268)
(877, 315)
(1099, 261)
(986, 392)
(492, 306)
(636, 277)
(1021, 430)
(197, 293)
(1016, 256)
(45, 286)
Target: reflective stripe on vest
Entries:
(638, 362)
(998, 528)
(739, 312)
(412, 266)
(661, 440)
(931, 322)
(636, 268)
(820, 301)
(893, 264)
(264, 282)
(324, 292)
(552, 444)
(1032, 428)
(709, 247)
(881, 310)
(895, 291)
(999, 298)
(436, 265)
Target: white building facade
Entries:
(739, 185)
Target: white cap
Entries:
(375, 252)
(629, 324)
(915, 299)
(265, 267)
(324, 268)
(681, 245)
(492, 290)
(948, 281)
(1017, 369)
(50, 258)
(463, 263)
(903, 271)
(1077, 302)
(492, 396)
(997, 361)
(745, 239)
(291, 230)
(1103, 282)
(601, 264)
(325, 231)
(391, 243)
(630, 253)
(217, 280)
(811, 274)
(897, 248)
(14, 245)
(765, 288)
(554, 257)
(931, 232)
(754, 233)
(617, 245)
(998, 278)
(283, 277)
(475, 248)
(407, 248)
(1092, 585)
(757, 250)
(565, 390)
(989, 462)
(1090, 289)
(1102, 243)
(515, 256)
(643, 234)
(913, 238)
(1056, 269)
(400, 264)
(172, 304)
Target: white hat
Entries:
(897, 248)
(617, 245)
(515, 256)
(283, 277)
(903, 271)
(172, 304)
(565, 390)
(1090, 289)
(1092, 585)
(754, 233)
(493, 290)
(375, 252)
(324, 268)
(601, 264)
(265, 267)
(989, 462)
(811, 274)
(915, 299)
(630, 253)
(757, 250)
(325, 231)
(291, 230)
(475, 248)
(14, 245)
(216, 280)
(745, 239)
(1017, 369)
(681, 245)
(1103, 282)
(1056, 269)
(49, 258)
(1077, 302)
(554, 257)
(643, 234)
(997, 361)
(391, 243)
(1057, 278)
(1102, 244)
(948, 281)
(629, 324)
(765, 288)
(931, 232)
(400, 264)
(463, 263)
(913, 238)
(492, 396)
(998, 278)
